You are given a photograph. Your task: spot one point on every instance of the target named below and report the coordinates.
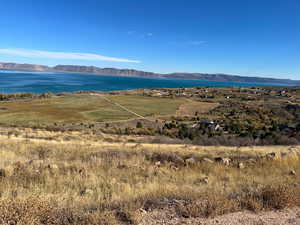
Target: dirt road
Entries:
(284, 217)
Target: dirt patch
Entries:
(169, 217)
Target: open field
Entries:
(87, 182)
(202, 116)
(84, 108)
(191, 108)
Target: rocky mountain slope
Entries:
(24, 66)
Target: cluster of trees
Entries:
(235, 134)
(6, 97)
(244, 125)
(203, 135)
(15, 96)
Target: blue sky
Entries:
(245, 37)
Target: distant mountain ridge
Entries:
(138, 73)
(24, 66)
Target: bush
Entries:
(139, 124)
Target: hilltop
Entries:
(138, 73)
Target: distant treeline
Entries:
(15, 96)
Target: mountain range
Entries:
(138, 73)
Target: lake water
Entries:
(40, 82)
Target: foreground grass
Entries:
(73, 183)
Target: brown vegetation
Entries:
(75, 170)
(90, 183)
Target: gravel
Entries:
(169, 217)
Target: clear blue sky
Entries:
(246, 37)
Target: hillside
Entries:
(54, 178)
(149, 157)
(138, 73)
(24, 66)
(202, 116)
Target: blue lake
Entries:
(40, 82)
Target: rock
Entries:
(225, 161)
(114, 181)
(272, 155)
(82, 171)
(122, 166)
(2, 173)
(207, 160)
(174, 167)
(179, 161)
(252, 161)
(293, 172)
(234, 196)
(53, 167)
(86, 191)
(143, 211)
(38, 172)
(241, 166)
(205, 180)
(190, 161)
(158, 164)
(89, 191)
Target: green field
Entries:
(84, 108)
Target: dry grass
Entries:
(193, 107)
(87, 183)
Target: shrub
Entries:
(34, 211)
(139, 124)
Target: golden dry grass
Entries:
(86, 182)
(192, 107)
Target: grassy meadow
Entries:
(84, 108)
